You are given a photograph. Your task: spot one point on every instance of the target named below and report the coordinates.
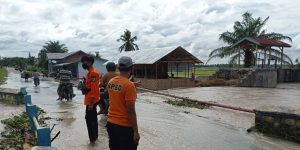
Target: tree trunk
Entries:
(248, 58)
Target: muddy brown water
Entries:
(166, 127)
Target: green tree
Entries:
(297, 63)
(16, 62)
(248, 27)
(30, 59)
(128, 42)
(50, 47)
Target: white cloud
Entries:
(92, 25)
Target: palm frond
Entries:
(276, 36)
(234, 58)
(277, 53)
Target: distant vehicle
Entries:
(25, 75)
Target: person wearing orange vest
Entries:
(92, 97)
(122, 124)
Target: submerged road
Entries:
(161, 126)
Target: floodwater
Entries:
(166, 127)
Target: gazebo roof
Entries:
(261, 42)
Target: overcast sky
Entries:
(95, 25)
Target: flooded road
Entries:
(166, 127)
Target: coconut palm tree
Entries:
(127, 40)
(248, 27)
(50, 47)
(55, 47)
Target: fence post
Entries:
(23, 90)
(43, 137)
(31, 112)
(27, 99)
(42, 134)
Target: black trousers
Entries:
(120, 137)
(92, 122)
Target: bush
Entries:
(298, 65)
(3, 75)
(35, 69)
(16, 127)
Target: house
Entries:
(163, 68)
(72, 60)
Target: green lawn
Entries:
(200, 72)
(3, 75)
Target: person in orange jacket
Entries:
(92, 97)
(122, 124)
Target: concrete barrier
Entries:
(260, 78)
(12, 96)
(284, 125)
(42, 133)
(288, 75)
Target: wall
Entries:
(288, 75)
(231, 73)
(51, 67)
(284, 125)
(260, 78)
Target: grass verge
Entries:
(187, 103)
(199, 72)
(3, 75)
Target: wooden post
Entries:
(269, 60)
(171, 70)
(239, 56)
(194, 77)
(185, 70)
(265, 59)
(258, 59)
(188, 70)
(177, 69)
(256, 64)
(281, 57)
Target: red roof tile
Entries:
(270, 42)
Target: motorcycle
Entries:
(36, 81)
(66, 92)
(25, 75)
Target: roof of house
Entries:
(261, 42)
(61, 55)
(151, 56)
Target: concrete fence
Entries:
(284, 125)
(42, 133)
(288, 75)
(260, 78)
(12, 96)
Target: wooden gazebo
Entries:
(159, 68)
(264, 45)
